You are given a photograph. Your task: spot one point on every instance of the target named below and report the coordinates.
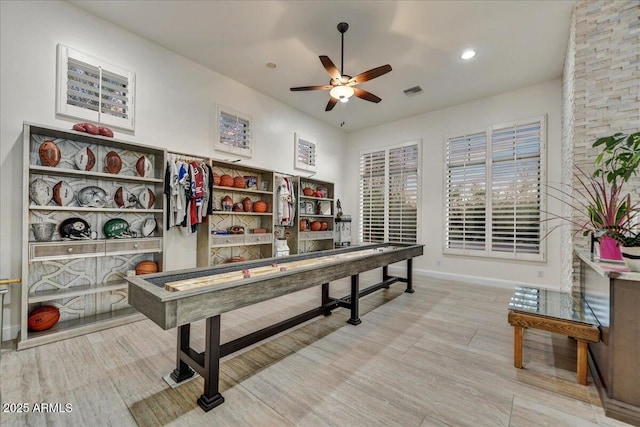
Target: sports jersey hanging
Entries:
(187, 187)
(286, 202)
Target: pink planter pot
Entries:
(610, 249)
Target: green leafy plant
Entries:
(628, 240)
(620, 158)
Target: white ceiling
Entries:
(518, 43)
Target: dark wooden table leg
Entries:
(211, 396)
(518, 331)
(325, 299)
(410, 276)
(355, 300)
(182, 371)
(385, 274)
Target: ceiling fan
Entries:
(342, 86)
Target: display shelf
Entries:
(54, 294)
(314, 209)
(83, 277)
(84, 209)
(216, 248)
(73, 328)
(47, 170)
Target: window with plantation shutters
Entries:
(389, 191)
(494, 201)
(93, 90)
(305, 154)
(234, 132)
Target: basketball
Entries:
(226, 181)
(146, 267)
(216, 179)
(112, 162)
(43, 318)
(239, 182)
(259, 206)
(49, 153)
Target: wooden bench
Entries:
(559, 312)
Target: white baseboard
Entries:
(10, 332)
(474, 280)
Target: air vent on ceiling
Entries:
(413, 91)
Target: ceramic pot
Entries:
(631, 257)
(43, 231)
(247, 204)
(316, 226)
(610, 249)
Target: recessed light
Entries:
(468, 54)
(271, 65)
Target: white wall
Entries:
(528, 102)
(175, 103)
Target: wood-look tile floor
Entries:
(441, 356)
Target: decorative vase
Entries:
(610, 249)
(631, 256)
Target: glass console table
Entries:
(553, 311)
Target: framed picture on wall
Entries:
(233, 132)
(305, 153)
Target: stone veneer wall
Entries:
(601, 86)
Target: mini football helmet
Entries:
(76, 229)
(118, 228)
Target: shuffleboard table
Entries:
(176, 299)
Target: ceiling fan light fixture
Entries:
(342, 93)
(468, 54)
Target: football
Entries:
(123, 198)
(148, 226)
(40, 192)
(147, 199)
(49, 153)
(146, 267)
(86, 127)
(144, 166)
(43, 318)
(62, 194)
(104, 131)
(84, 159)
(112, 162)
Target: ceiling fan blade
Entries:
(371, 74)
(295, 89)
(363, 94)
(332, 103)
(330, 67)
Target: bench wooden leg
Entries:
(582, 362)
(518, 332)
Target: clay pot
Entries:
(216, 179)
(259, 206)
(226, 181)
(316, 226)
(239, 182)
(247, 204)
(307, 191)
(323, 226)
(304, 225)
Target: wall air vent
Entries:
(413, 91)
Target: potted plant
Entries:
(609, 213)
(617, 163)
